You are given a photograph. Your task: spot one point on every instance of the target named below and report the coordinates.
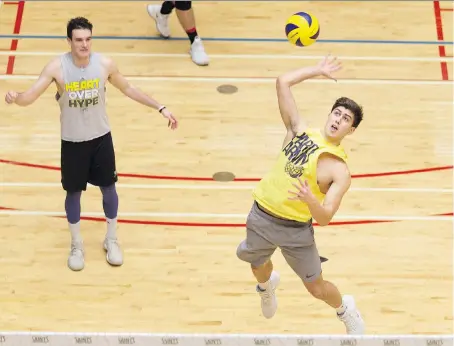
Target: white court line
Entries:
(219, 215)
(257, 80)
(228, 186)
(242, 56)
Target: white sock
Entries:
(265, 285)
(74, 228)
(341, 309)
(111, 228)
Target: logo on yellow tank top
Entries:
(298, 152)
(83, 94)
(298, 159)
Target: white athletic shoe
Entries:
(269, 300)
(198, 54)
(162, 20)
(354, 324)
(114, 255)
(76, 260)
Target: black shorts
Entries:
(88, 162)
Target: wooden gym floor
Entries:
(180, 235)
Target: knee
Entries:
(183, 5)
(256, 260)
(244, 254)
(109, 191)
(73, 196)
(241, 253)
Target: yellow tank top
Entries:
(298, 159)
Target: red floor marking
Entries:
(202, 224)
(445, 214)
(441, 49)
(17, 25)
(165, 177)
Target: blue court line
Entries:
(229, 39)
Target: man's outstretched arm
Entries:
(26, 98)
(122, 84)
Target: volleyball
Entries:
(302, 29)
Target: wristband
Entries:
(161, 108)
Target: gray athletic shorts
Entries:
(265, 233)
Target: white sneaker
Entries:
(352, 319)
(197, 52)
(162, 20)
(114, 255)
(269, 300)
(76, 260)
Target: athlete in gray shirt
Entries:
(87, 151)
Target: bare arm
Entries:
(45, 79)
(333, 198)
(287, 106)
(122, 84)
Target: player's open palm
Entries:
(328, 66)
(173, 122)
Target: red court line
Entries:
(209, 224)
(17, 25)
(441, 49)
(166, 177)
(202, 224)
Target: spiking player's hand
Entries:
(303, 192)
(329, 65)
(173, 122)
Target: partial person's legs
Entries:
(160, 14)
(186, 17)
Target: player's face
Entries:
(81, 43)
(339, 124)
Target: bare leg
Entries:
(345, 306)
(267, 283)
(325, 291)
(263, 273)
(186, 19)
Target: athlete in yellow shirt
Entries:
(307, 182)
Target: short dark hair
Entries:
(78, 23)
(352, 106)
